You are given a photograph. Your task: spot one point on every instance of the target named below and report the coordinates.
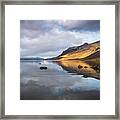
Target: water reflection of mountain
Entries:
(85, 68)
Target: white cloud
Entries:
(48, 44)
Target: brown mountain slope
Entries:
(85, 51)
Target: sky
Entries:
(48, 38)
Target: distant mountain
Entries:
(85, 51)
(31, 58)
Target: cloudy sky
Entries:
(48, 38)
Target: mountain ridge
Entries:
(85, 51)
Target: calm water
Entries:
(60, 81)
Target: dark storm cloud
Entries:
(32, 28)
(43, 25)
(82, 25)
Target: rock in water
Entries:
(43, 68)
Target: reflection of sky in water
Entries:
(56, 80)
(86, 84)
(83, 85)
(33, 69)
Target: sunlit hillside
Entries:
(81, 52)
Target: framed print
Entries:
(60, 59)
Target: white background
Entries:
(13, 104)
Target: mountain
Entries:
(31, 58)
(82, 52)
